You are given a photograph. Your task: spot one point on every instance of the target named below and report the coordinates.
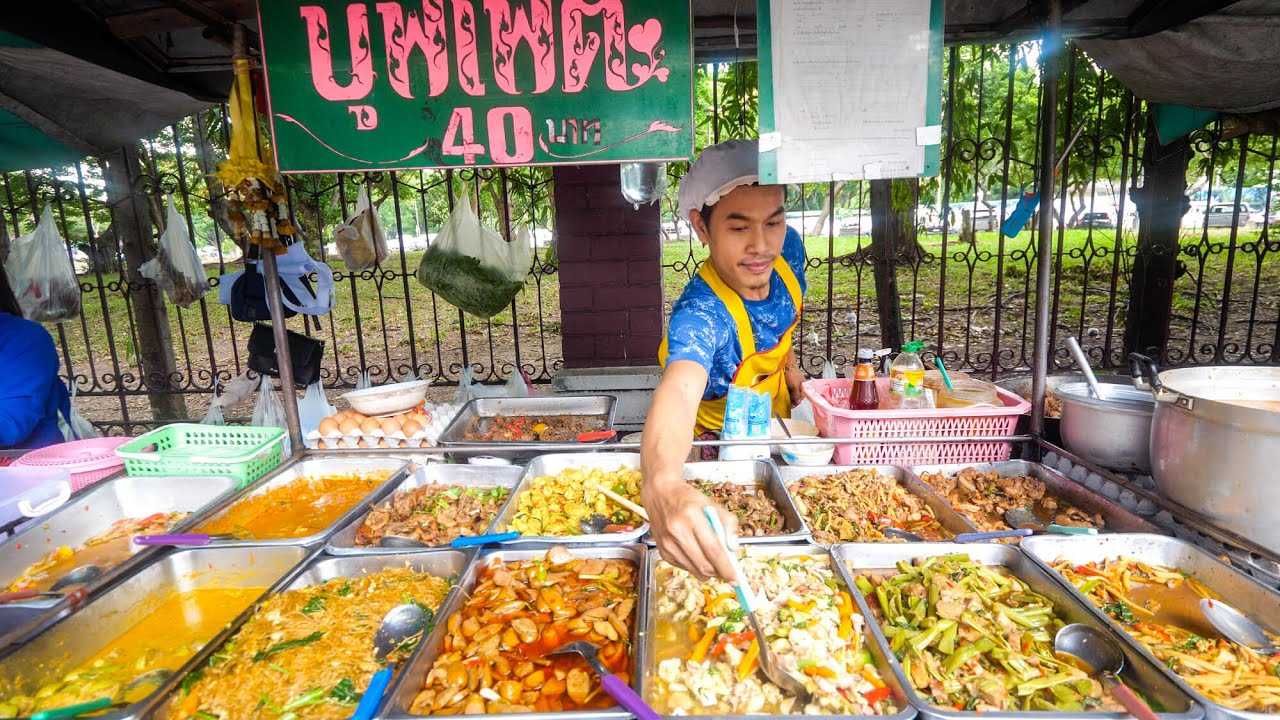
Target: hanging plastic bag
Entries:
(465, 394)
(517, 385)
(471, 267)
(41, 275)
(314, 407)
(236, 391)
(361, 241)
(268, 411)
(76, 427)
(213, 416)
(363, 382)
(829, 371)
(176, 268)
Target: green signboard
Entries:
(383, 85)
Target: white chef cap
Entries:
(717, 171)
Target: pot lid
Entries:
(1113, 396)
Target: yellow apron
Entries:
(762, 371)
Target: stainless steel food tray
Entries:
(93, 513)
(947, 515)
(315, 465)
(1139, 672)
(343, 542)
(73, 641)
(878, 653)
(480, 408)
(1116, 518)
(1251, 597)
(321, 568)
(755, 473)
(405, 688)
(555, 464)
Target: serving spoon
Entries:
(399, 625)
(462, 541)
(1238, 628)
(151, 677)
(612, 684)
(1102, 659)
(82, 575)
(1025, 518)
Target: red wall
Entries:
(610, 271)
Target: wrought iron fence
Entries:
(966, 289)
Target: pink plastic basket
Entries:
(830, 399)
(88, 461)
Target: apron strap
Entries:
(733, 302)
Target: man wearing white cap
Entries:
(732, 325)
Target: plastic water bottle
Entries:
(906, 378)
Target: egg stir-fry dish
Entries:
(708, 656)
(296, 509)
(433, 514)
(973, 637)
(165, 638)
(1159, 607)
(306, 654)
(556, 505)
(854, 506)
(497, 656)
(106, 549)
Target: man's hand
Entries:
(795, 379)
(683, 535)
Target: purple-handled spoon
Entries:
(182, 539)
(993, 535)
(612, 684)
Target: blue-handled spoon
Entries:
(399, 626)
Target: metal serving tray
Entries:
(1116, 518)
(344, 541)
(1139, 672)
(755, 473)
(648, 667)
(1251, 597)
(405, 688)
(314, 465)
(555, 464)
(947, 515)
(480, 408)
(321, 568)
(73, 641)
(93, 513)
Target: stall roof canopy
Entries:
(88, 75)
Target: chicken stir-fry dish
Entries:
(524, 428)
(756, 511)
(556, 505)
(708, 655)
(984, 497)
(972, 637)
(433, 514)
(497, 656)
(854, 506)
(107, 549)
(1159, 607)
(306, 654)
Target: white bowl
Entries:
(808, 454)
(388, 399)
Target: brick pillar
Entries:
(610, 271)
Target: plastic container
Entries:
(28, 492)
(189, 449)
(906, 378)
(829, 399)
(966, 391)
(388, 399)
(87, 461)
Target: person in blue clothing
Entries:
(732, 326)
(32, 395)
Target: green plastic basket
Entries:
(190, 449)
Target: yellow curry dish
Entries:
(708, 656)
(164, 638)
(1160, 608)
(556, 505)
(306, 654)
(106, 550)
(296, 509)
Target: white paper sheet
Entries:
(849, 87)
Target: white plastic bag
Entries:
(465, 394)
(363, 382)
(176, 268)
(361, 241)
(268, 410)
(517, 385)
(472, 267)
(76, 427)
(314, 407)
(236, 391)
(829, 371)
(213, 416)
(41, 275)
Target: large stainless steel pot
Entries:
(1113, 431)
(1213, 454)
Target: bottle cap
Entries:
(914, 346)
(867, 355)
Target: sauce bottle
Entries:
(906, 378)
(865, 396)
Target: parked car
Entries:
(1094, 220)
(1223, 215)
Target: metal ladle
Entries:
(82, 575)
(151, 677)
(1083, 361)
(400, 625)
(1237, 628)
(612, 684)
(1102, 659)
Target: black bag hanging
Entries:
(306, 354)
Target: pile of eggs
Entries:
(348, 429)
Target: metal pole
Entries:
(1049, 55)
(284, 359)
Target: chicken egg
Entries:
(329, 427)
(411, 427)
(370, 426)
(390, 425)
(349, 426)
